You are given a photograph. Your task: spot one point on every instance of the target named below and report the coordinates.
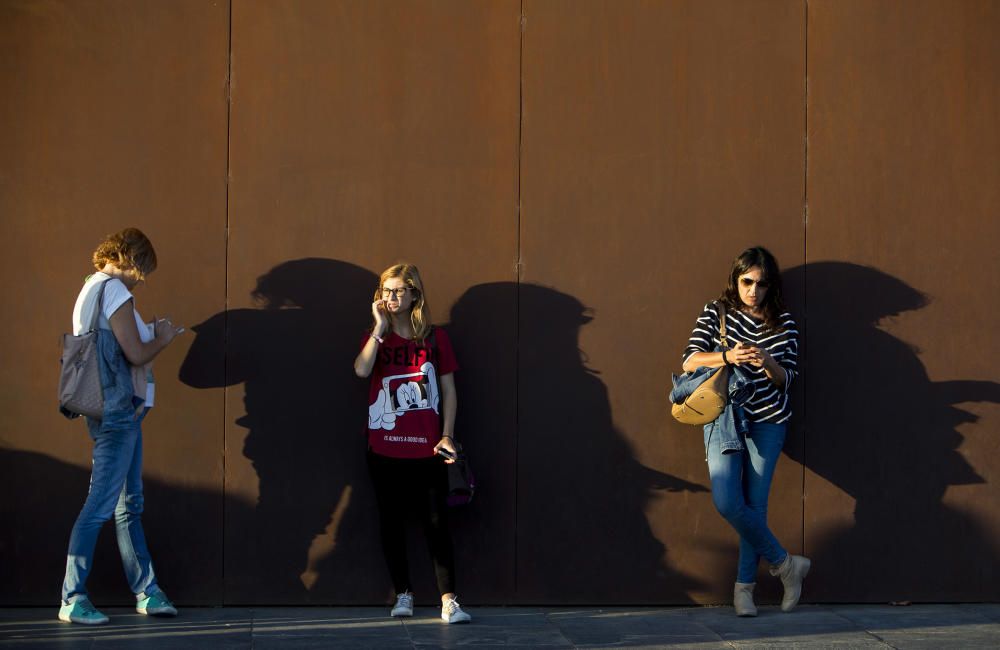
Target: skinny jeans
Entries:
(406, 487)
(741, 482)
(115, 490)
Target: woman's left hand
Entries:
(448, 445)
(761, 358)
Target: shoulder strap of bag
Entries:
(100, 304)
(721, 309)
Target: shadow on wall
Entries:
(878, 428)
(309, 539)
(582, 532)
(44, 496)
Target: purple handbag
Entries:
(461, 480)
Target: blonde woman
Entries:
(411, 430)
(127, 346)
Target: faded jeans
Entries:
(115, 489)
(740, 485)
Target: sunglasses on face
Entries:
(748, 282)
(398, 293)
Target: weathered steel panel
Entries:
(362, 134)
(902, 278)
(660, 139)
(574, 179)
(113, 115)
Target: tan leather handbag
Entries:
(707, 401)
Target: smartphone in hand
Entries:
(446, 454)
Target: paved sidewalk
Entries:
(810, 626)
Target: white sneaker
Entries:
(404, 605)
(451, 612)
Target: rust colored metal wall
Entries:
(361, 135)
(574, 179)
(112, 115)
(659, 141)
(901, 278)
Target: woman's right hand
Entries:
(740, 354)
(381, 317)
(138, 353)
(165, 331)
(365, 360)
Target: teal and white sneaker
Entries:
(156, 604)
(82, 612)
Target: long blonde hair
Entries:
(420, 315)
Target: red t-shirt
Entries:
(404, 401)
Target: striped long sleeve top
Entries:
(770, 403)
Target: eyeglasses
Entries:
(397, 293)
(761, 284)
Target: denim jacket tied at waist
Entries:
(120, 402)
(732, 423)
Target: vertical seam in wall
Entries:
(805, 259)
(517, 283)
(225, 342)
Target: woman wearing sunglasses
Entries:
(763, 340)
(411, 429)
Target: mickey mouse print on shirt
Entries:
(404, 401)
(400, 393)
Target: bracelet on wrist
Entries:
(378, 338)
(724, 359)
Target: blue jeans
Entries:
(740, 485)
(115, 489)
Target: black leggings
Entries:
(419, 486)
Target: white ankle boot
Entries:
(743, 599)
(791, 571)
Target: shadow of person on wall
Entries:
(43, 497)
(879, 428)
(304, 415)
(581, 495)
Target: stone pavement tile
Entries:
(928, 626)
(888, 616)
(817, 642)
(807, 626)
(941, 638)
(325, 627)
(490, 627)
(633, 627)
(331, 639)
(989, 611)
(198, 627)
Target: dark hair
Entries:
(773, 305)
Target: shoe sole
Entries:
(401, 614)
(458, 622)
(156, 612)
(81, 621)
